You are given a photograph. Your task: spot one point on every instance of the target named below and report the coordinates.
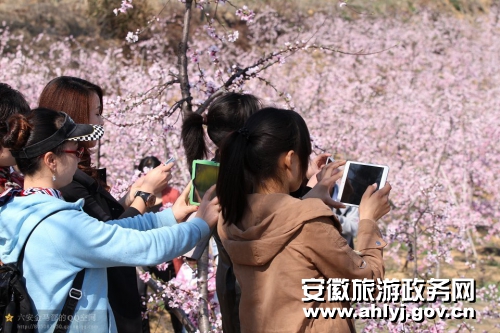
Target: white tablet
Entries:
(356, 179)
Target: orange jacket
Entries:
(282, 240)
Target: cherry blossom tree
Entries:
(418, 93)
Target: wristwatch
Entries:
(149, 199)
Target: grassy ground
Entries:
(486, 271)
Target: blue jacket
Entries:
(70, 240)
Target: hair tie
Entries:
(204, 116)
(244, 131)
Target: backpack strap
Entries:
(75, 293)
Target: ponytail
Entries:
(18, 132)
(193, 138)
(11, 102)
(250, 156)
(232, 185)
(26, 130)
(227, 113)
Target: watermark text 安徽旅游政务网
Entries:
(393, 294)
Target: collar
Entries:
(6, 195)
(49, 191)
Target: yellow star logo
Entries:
(8, 317)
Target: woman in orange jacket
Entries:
(274, 240)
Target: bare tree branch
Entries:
(272, 59)
(183, 61)
(152, 117)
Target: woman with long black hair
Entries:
(226, 114)
(274, 240)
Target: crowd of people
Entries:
(271, 214)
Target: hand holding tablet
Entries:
(375, 203)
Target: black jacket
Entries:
(228, 290)
(123, 294)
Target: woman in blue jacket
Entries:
(83, 102)
(68, 240)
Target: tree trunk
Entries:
(204, 321)
(183, 61)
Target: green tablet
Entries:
(204, 175)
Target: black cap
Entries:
(68, 131)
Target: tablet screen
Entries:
(359, 177)
(205, 177)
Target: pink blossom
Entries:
(213, 52)
(194, 56)
(210, 29)
(233, 36)
(131, 37)
(245, 14)
(163, 266)
(126, 5)
(145, 276)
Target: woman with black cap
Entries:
(83, 101)
(63, 240)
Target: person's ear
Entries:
(49, 159)
(288, 160)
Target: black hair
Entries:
(11, 102)
(226, 114)
(148, 162)
(27, 129)
(250, 156)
